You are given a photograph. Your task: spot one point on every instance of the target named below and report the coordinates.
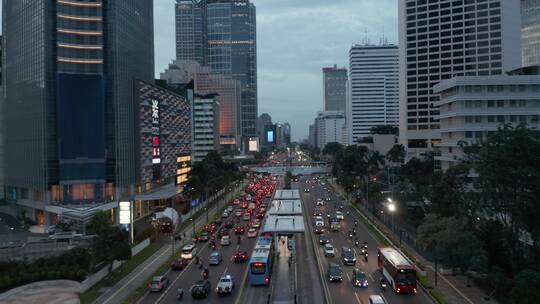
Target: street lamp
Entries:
(206, 209)
(392, 209)
(191, 219)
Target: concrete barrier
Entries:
(31, 293)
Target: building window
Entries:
(491, 103)
(468, 134)
(500, 103)
(491, 118)
(500, 118)
(522, 118)
(468, 119)
(513, 118)
(478, 119)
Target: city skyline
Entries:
(292, 80)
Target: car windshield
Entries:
(406, 278)
(360, 276)
(335, 270)
(225, 280)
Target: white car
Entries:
(376, 299)
(225, 214)
(329, 250)
(225, 240)
(319, 223)
(230, 209)
(320, 202)
(339, 215)
(225, 284)
(251, 233)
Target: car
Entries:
(229, 224)
(223, 231)
(323, 239)
(203, 237)
(259, 215)
(306, 190)
(319, 230)
(179, 264)
(329, 250)
(211, 227)
(246, 216)
(239, 230)
(319, 223)
(238, 213)
(236, 201)
(252, 232)
(218, 222)
(200, 289)
(359, 278)
(256, 223)
(225, 214)
(317, 212)
(225, 240)
(225, 284)
(376, 299)
(230, 209)
(319, 202)
(339, 215)
(323, 183)
(347, 256)
(328, 199)
(158, 283)
(335, 273)
(240, 257)
(215, 258)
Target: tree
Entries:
(526, 289)
(508, 185)
(396, 155)
(385, 129)
(332, 149)
(111, 242)
(449, 192)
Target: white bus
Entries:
(189, 251)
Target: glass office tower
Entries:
(68, 99)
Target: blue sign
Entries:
(270, 136)
(194, 202)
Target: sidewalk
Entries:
(452, 287)
(130, 283)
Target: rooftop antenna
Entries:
(366, 39)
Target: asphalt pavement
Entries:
(345, 291)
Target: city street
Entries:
(345, 291)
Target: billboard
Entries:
(125, 212)
(270, 136)
(253, 145)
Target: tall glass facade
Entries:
(70, 67)
(190, 42)
(530, 31)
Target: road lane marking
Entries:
(358, 299)
(348, 276)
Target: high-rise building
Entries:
(263, 120)
(181, 72)
(441, 39)
(374, 89)
(312, 137)
(227, 33)
(330, 127)
(286, 133)
(474, 107)
(335, 88)
(530, 32)
(205, 125)
(190, 30)
(69, 116)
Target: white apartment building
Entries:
(330, 127)
(373, 98)
(205, 126)
(472, 107)
(440, 39)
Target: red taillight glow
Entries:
(258, 264)
(414, 290)
(266, 280)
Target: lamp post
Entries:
(193, 222)
(206, 209)
(392, 209)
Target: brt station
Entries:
(284, 219)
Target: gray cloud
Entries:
(296, 38)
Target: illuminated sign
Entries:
(156, 152)
(253, 145)
(125, 212)
(183, 167)
(270, 136)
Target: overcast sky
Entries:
(295, 39)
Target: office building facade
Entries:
(68, 93)
(227, 34)
(335, 88)
(373, 89)
(205, 125)
(530, 32)
(263, 120)
(473, 107)
(181, 72)
(442, 39)
(330, 127)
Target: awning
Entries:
(284, 224)
(285, 207)
(163, 192)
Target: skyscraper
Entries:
(374, 89)
(190, 31)
(530, 31)
(227, 34)
(442, 39)
(69, 75)
(263, 120)
(335, 88)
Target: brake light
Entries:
(414, 290)
(266, 280)
(397, 290)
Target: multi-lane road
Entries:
(346, 292)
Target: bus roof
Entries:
(395, 257)
(263, 242)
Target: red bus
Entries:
(398, 271)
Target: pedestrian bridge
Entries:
(295, 170)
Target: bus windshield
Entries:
(406, 278)
(258, 268)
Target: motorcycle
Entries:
(383, 284)
(356, 243)
(180, 294)
(350, 235)
(355, 224)
(348, 212)
(365, 256)
(206, 274)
